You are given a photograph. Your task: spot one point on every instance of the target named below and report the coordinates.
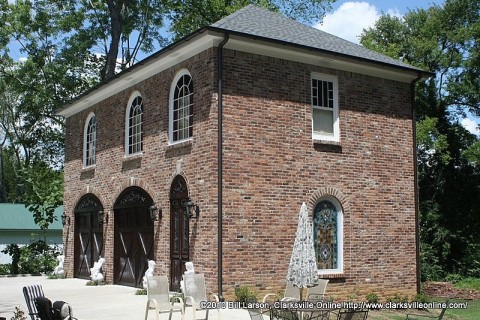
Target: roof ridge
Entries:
(232, 15)
(256, 21)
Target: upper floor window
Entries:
(325, 125)
(328, 236)
(89, 140)
(181, 107)
(134, 124)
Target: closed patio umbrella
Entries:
(302, 270)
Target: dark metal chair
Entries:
(31, 293)
(255, 314)
(44, 308)
(411, 316)
(353, 314)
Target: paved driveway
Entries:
(107, 302)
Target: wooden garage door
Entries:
(88, 236)
(133, 239)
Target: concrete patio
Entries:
(106, 302)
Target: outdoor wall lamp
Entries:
(190, 208)
(101, 217)
(65, 219)
(153, 212)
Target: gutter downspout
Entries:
(415, 179)
(220, 166)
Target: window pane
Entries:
(90, 142)
(135, 126)
(325, 228)
(182, 109)
(323, 121)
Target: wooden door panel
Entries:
(133, 245)
(179, 232)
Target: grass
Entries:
(468, 283)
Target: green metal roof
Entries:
(17, 217)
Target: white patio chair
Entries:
(159, 298)
(317, 293)
(195, 293)
(291, 293)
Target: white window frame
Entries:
(177, 77)
(338, 208)
(89, 145)
(336, 123)
(133, 96)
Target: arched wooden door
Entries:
(179, 232)
(88, 235)
(133, 237)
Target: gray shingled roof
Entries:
(254, 21)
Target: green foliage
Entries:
(190, 15)
(372, 297)
(443, 40)
(245, 294)
(5, 268)
(141, 292)
(468, 283)
(423, 298)
(35, 258)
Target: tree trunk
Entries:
(116, 22)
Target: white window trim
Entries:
(134, 95)
(177, 77)
(85, 133)
(337, 206)
(336, 122)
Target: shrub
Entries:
(372, 297)
(37, 257)
(5, 268)
(141, 292)
(245, 294)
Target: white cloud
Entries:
(471, 126)
(351, 18)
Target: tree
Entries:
(443, 40)
(190, 15)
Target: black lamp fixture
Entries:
(65, 219)
(153, 212)
(190, 208)
(101, 217)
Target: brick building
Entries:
(304, 117)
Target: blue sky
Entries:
(349, 18)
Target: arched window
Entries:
(134, 124)
(181, 107)
(89, 140)
(328, 236)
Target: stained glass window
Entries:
(325, 235)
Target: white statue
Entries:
(95, 273)
(149, 272)
(189, 272)
(58, 271)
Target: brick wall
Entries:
(271, 166)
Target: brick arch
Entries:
(185, 177)
(86, 190)
(328, 191)
(133, 182)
